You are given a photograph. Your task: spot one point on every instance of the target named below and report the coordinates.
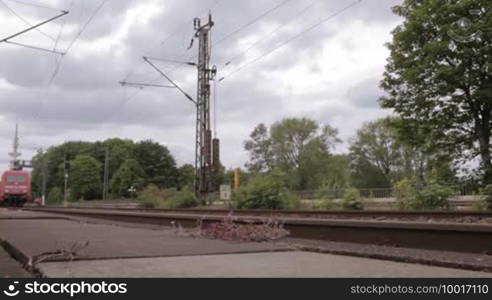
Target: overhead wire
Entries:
(272, 32)
(59, 61)
(77, 36)
(317, 24)
(14, 13)
(251, 22)
(242, 27)
(34, 4)
(169, 36)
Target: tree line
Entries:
(380, 155)
(130, 163)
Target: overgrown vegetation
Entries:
(267, 191)
(413, 197)
(486, 193)
(229, 229)
(352, 200)
(55, 196)
(154, 197)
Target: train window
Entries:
(16, 179)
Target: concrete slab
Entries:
(280, 264)
(10, 268)
(6, 213)
(33, 237)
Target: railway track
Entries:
(392, 228)
(456, 216)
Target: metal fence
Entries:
(379, 193)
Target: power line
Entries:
(290, 40)
(24, 20)
(169, 36)
(34, 5)
(96, 11)
(292, 18)
(253, 21)
(247, 24)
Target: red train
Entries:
(15, 188)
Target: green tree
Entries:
(186, 175)
(158, 163)
(378, 144)
(260, 149)
(438, 75)
(298, 146)
(55, 196)
(85, 180)
(129, 174)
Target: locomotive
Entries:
(15, 188)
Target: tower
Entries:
(203, 182)
(14, 162)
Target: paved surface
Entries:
(450, 259)
(137, 250)
(36, 236)
(19, 214)
(10, 268)
(280, 264)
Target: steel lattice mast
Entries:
(203, 145)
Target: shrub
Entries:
(263, 191)
(291, 201)
(486, 193)
(153, 197)
(183, 199)
(326, 196)
(55, 195)
(325, 192)
(228, 229)
(405, 193)
(352, 199)
(432, 196)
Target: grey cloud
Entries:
(366, 93)
(85, 100)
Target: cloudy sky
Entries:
(329, 74)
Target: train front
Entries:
(15, 188)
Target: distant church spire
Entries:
(15, 149)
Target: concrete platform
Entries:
(281, 264)
(7, 214)
(35, 236)
(10, 268)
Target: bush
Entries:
(153, 197)
(352, 200)
(486, 193)
(183, 199)
(264, 191)
(432, 196)
(55, 195)
(291, 201)
(325, 204)
(406, 193)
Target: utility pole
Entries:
(44, 179)
(207, 158)
(203, 143)
(66, 168)
(106, 175)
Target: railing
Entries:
(377, 193)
